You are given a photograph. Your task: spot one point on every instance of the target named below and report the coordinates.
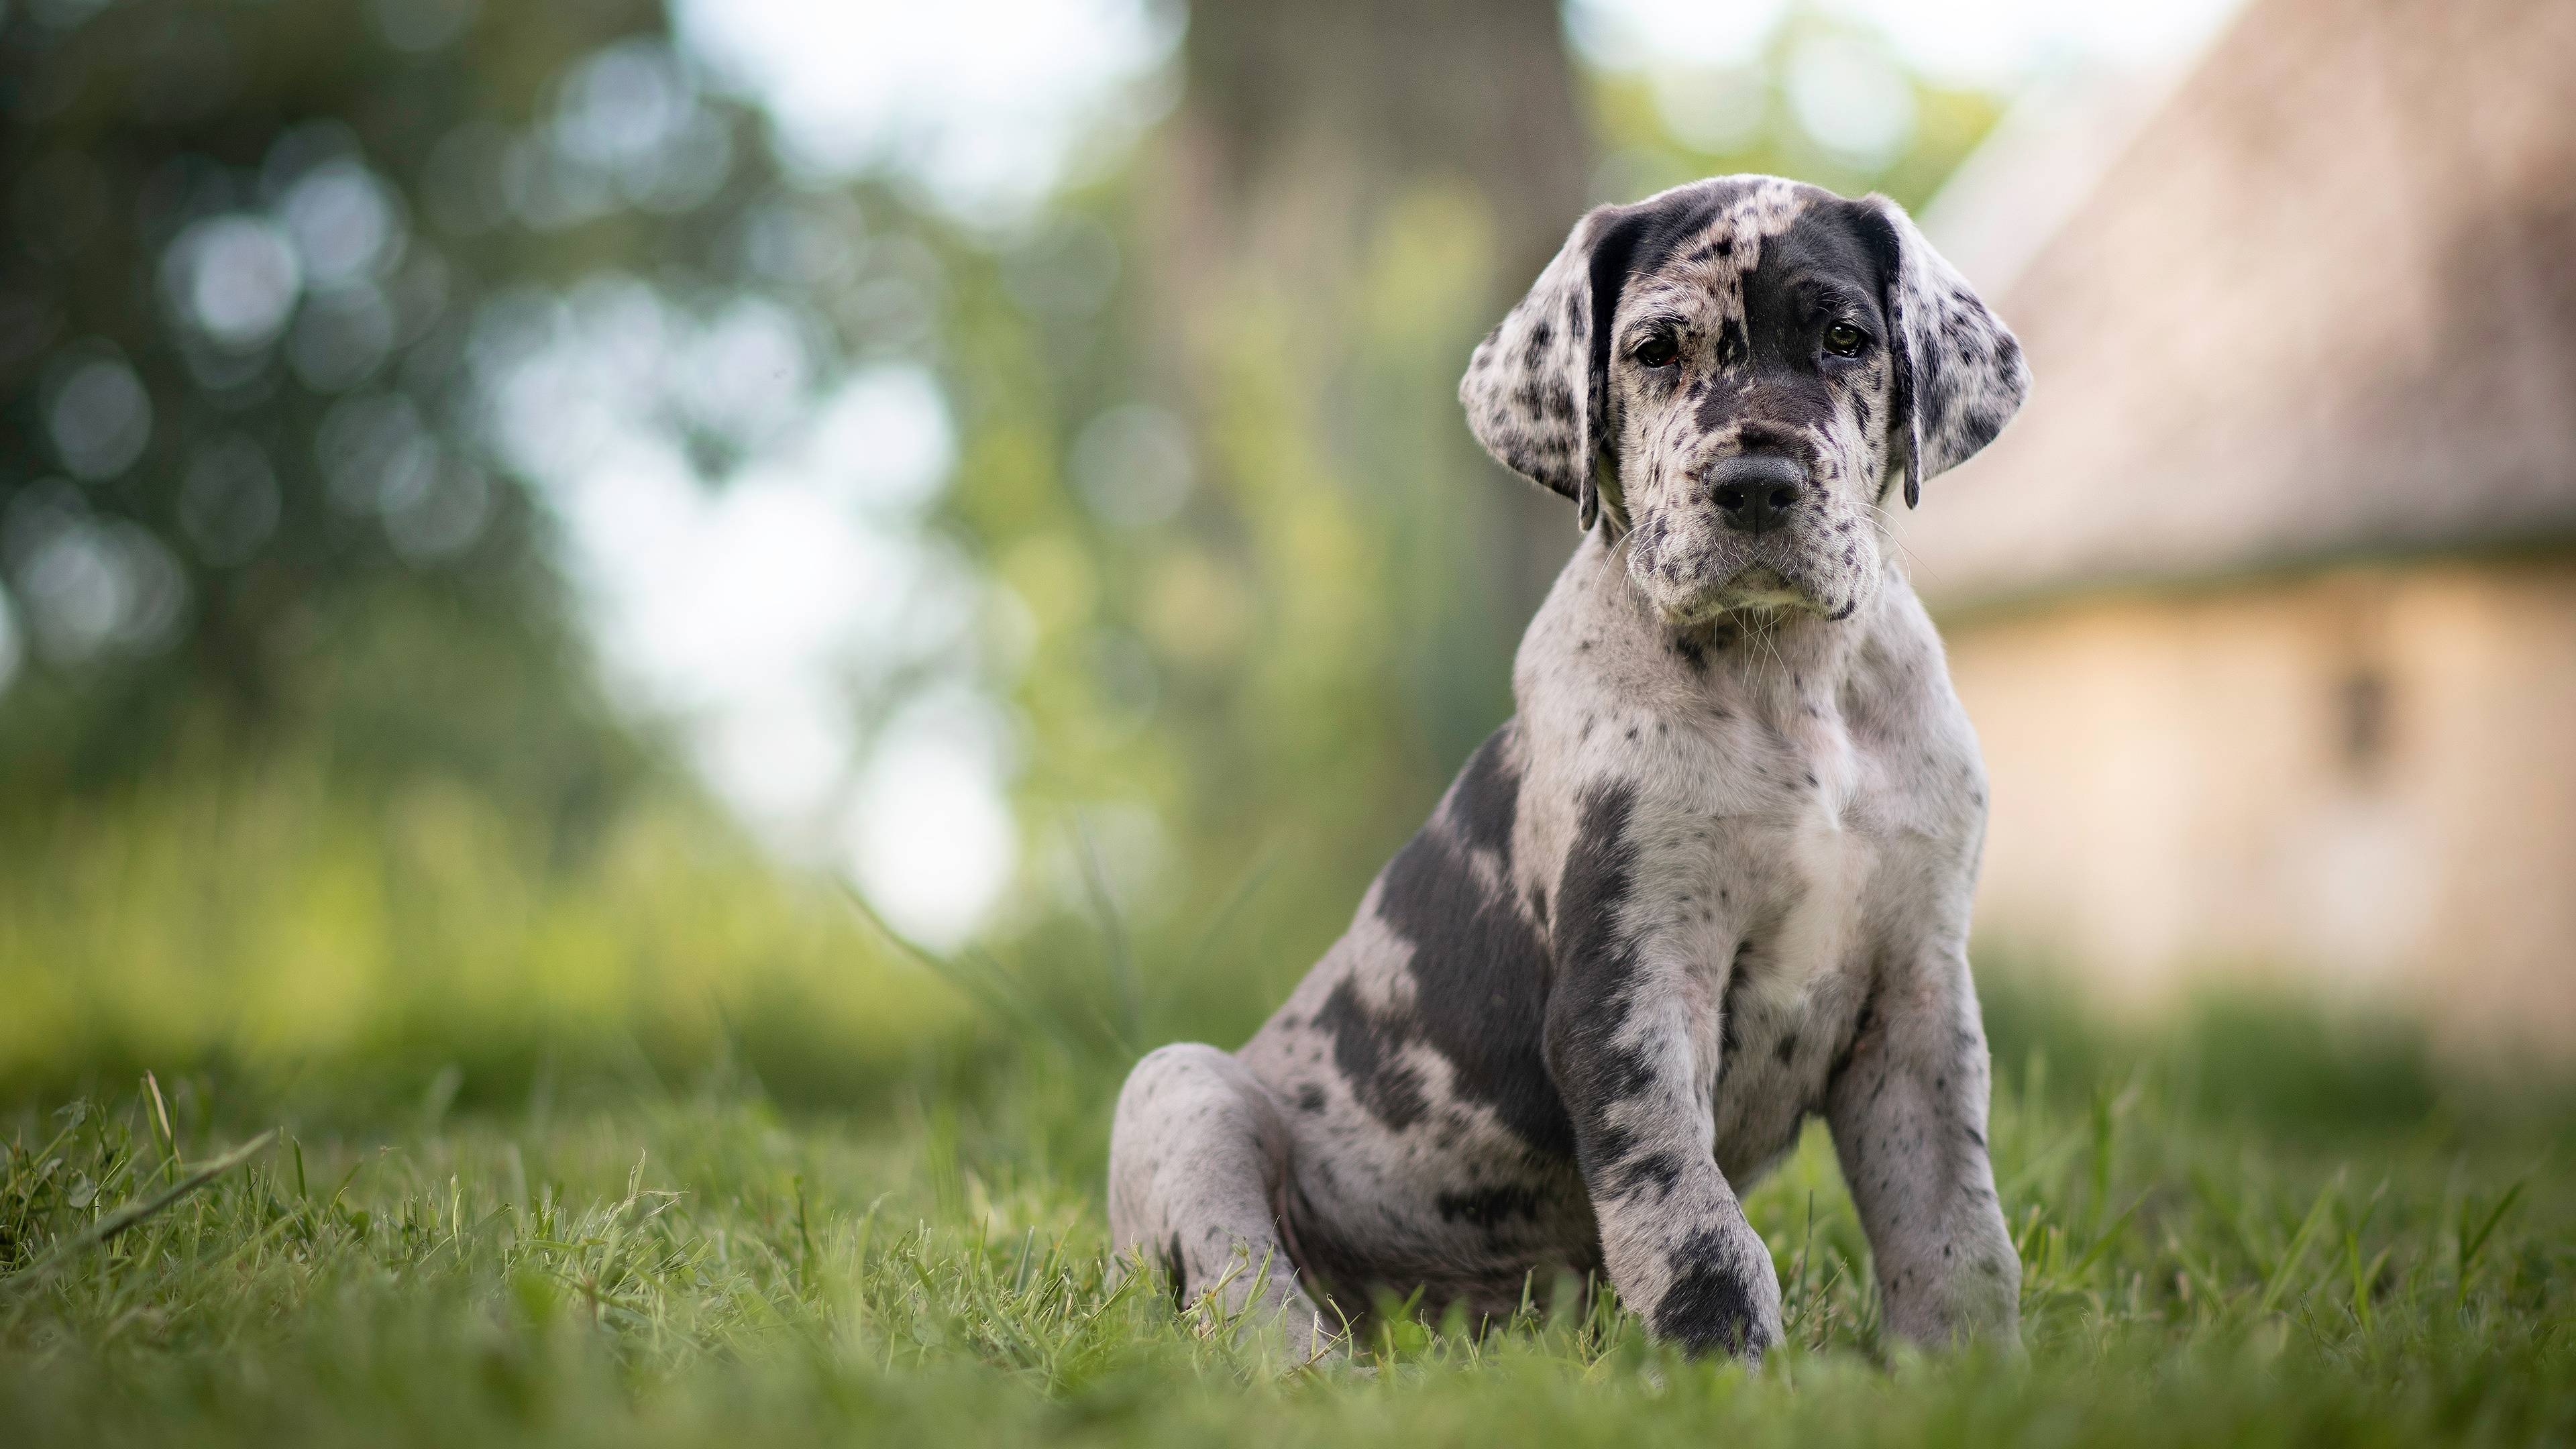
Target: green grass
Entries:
(649, 1143)
(618, 1264)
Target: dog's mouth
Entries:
(1764, 587)
(1693, 573)
(1756, 588)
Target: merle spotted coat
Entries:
(1712, 879)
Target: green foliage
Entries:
(267, 924)
(1290, 663)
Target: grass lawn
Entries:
(621, 1261)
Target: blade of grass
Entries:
(2109, 1235)
(976, 976)
(161, 1117)
(1235, 900)
(1125, 984)
(2474, 1243)
(2279, 1280)
(2105, 1140)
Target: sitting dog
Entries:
(1712, 878)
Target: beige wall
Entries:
(2365, 777)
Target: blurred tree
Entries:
(1310, 134)
(1275, 585)
(244, 498)
(1376, 181)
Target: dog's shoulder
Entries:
(1901, 708)
(1593, 676)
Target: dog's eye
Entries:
(1844, 340)
(1658, 351)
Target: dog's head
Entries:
(1737, 374)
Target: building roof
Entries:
(2323, 305)
(2039, 162)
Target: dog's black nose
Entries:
(1756, 492)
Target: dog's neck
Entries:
(1785, 664)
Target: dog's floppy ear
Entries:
(1536, 390)
(1959, 374)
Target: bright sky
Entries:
(981, 101)
(1992, 42)
(754, 611)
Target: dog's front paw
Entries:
(1722, 1295)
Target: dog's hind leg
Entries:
(1197, 1154)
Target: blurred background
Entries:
(876, 545)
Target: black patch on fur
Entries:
(1822, 268)
(1597, 961)
(1730, 1005)
(1638, 242)
(1661, 1171)
(1726, 397)
(1490, 1207)
(1708, 1308)
(1734, 349)
(1773, 375)
(1480, 969)
(1366, 1047)
(1886, 252)
(1485, 802)
(1179, 1266)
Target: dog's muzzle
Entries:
(1756, 492)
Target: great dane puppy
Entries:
(1713, 878)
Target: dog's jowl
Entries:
(1712, 878)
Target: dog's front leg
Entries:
(1634, 1063)
(1908, 1112)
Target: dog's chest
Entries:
(1812, 863)
(1789, 856)
(1778, 818)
